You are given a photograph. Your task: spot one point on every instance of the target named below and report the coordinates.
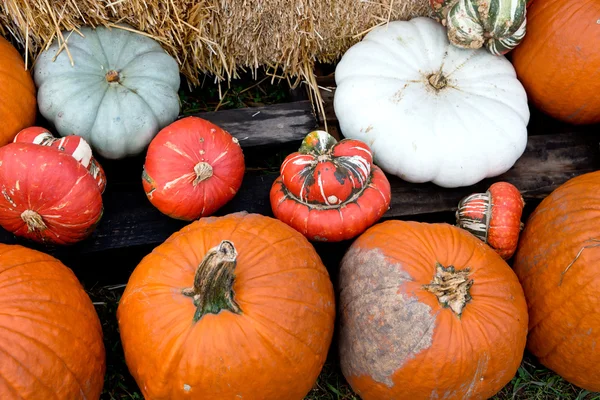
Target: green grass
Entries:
(532, 381)
(241, 93)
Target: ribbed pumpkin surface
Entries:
(18, 106)
(50, 335)
(558, 264)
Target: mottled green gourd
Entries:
(499, 25)
(114, 87)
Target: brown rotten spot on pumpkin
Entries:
(428, 311)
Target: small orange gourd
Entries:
(494, 217)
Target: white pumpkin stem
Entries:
(451, 287)
(33, 220)
(203, 171)
(112, 76)
(438, 80)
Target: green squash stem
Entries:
(213, 283)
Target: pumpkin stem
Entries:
(33, 220)
(438, 80)
(112, 76)
(213, 282)
(451, 287)
(203, 171)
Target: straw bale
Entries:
(217, 37)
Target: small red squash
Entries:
(18, 105)
(494, 217)
(330, 190)
(46, 195)
(428, 311)
(73, 145)
(50, 336)
(230, 307)
(558, 264)
(558, 62)
(193, 168)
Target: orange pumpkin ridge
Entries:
(51, 343)
(558, 264)
(428, 311)
(18, 103)
(562, 33)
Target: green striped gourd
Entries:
(499, 25)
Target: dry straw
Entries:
(218, 37)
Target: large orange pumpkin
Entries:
(234, 307)
(50, 335)
(428, 311)
(558, 263)
(18, 105)
(558, 62)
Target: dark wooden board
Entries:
(548, 162)
(130, 219)
(268, 125)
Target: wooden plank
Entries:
(131, 220)
(268, 125)
(548, 162)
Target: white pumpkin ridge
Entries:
(473, 128)
(119, 118)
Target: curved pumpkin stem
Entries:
(203, 171)
(112, 76)
(213, 283)
(451, 287)
(34, 221)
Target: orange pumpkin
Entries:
(18, 105)
(50, 335)
(46, 195)
(193, 167)
(229, 307)
(558, 62)
(428, 311)
(558, 264)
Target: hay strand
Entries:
(217, 37)
(597, 244)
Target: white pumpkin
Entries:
(120, 92)
(431, 111)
